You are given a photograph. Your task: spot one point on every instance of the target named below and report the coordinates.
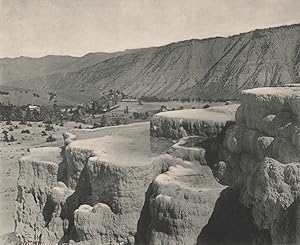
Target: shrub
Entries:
(227, 103)
(206, 106)
(23, 122)
(50, 138)
(11, 129)
(5, 137)
(29, 124)
(8, 122)
(118, 121)
(44, 133)
(48, 121)
(12, 138)
(49, 127)
(25, 131)
(96, 125)
(103, 122)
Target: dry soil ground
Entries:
(9, 168)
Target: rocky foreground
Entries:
(116, 186)
(259, 157)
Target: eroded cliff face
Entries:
(193, 122)
(39, 197)
(92, 191)
(259, 157)
(114, 189)
(178, 205)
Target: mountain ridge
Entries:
(211, 68)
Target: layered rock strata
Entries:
(40, 197)
(178, 205)
(259, 156)
(92, 191)
(192, 122)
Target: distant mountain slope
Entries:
(15, 70)
(215, 68)
(260, 58)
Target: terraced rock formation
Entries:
(193, 122)
(259, 157)
(109, 186)
(112, 186)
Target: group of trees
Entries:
(4, 93)
(153, 99)
(22, 113)
(6, 138)
(159, 99)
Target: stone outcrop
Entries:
(193, 122)
(39, 200)
(189, 149)
(112, 186)
(178, 205)
(259, 156)
(92, 191)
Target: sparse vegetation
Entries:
(50, 138)
(25, 131)
(49, 127)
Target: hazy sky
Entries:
(76, 27)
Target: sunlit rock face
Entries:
(91, 191)
(39, 200)
(112, 186)
(260, 157)
(193, 122)
(178, 205)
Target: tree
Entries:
(12, 138)
(5, 136)
(103, 121)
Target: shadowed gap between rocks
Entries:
(232, 224)
(82, 195)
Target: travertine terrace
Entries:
(115, 185)
(200, 122)
(99, 188)
(260, 157)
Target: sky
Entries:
(75, 27)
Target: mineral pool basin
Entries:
(189, 149)
(44, 154)
(125, 144)
(191, 142)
